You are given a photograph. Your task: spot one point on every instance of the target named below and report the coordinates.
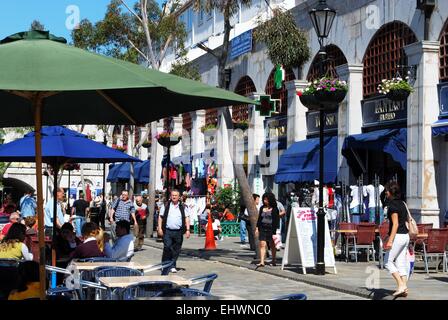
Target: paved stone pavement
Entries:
(362, 279)
(241, 283)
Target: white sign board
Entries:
(301, 241)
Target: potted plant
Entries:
(330, 91)
(308, 98)
(211, 126)
(147, 143)
(167, 138)
(119, 148)
(395, 89)
(71, 166)
(243, 125)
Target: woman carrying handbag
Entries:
(398, 241)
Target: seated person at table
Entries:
(28, 284)
(66, 241)
(93, 242)
(12, 246)
(13, 218)
(123, 247)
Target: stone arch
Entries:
(384, 52)
(15, 187)
(335, 58)
(244, 87)
(282, 93)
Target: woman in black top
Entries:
(398, 241)
(267, 225)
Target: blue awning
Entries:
(440, 128)
(121, 172)
(300, 162)
(390, 141)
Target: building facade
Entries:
(369, 41)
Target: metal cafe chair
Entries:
(435, 247)
(422, 228)
(183, 292)
(348, 236)
(292, 296)
(365, 238)
(9, 273)
(112, 272)
(145, 289)
(208, 279)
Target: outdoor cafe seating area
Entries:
(108, 279)
(430, 245)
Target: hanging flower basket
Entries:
(167, 139)
(71, 166)
(330, 98)
(395, 89)
(309, 101)
(207, 127)
(147, 144)
(398, 95)
(119, 148)
(243, 125)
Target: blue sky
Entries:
(17, 15)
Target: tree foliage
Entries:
(184, 68)
(286, 44)
(37, 25)
(122, 33)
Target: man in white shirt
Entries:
(172, 224)
(123, 247)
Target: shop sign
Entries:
(379, 111)
(241, 44)
(276, 127)
(313, 122)
(443, 99)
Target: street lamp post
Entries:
(103, 205)
(322, 19)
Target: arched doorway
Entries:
(383, 59)
(16, 188)
(244, 87)
(384, 53)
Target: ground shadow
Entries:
(443, 279)
(380, 294)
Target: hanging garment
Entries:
(355, 197)
(188, 181)
(375, 207)
(331, 203)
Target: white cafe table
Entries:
(124, 282)
(119, 284)
(86, 266)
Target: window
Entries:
(244, 87)
(443, 54)
(281, 94)
(384, 53)
(186, 18)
